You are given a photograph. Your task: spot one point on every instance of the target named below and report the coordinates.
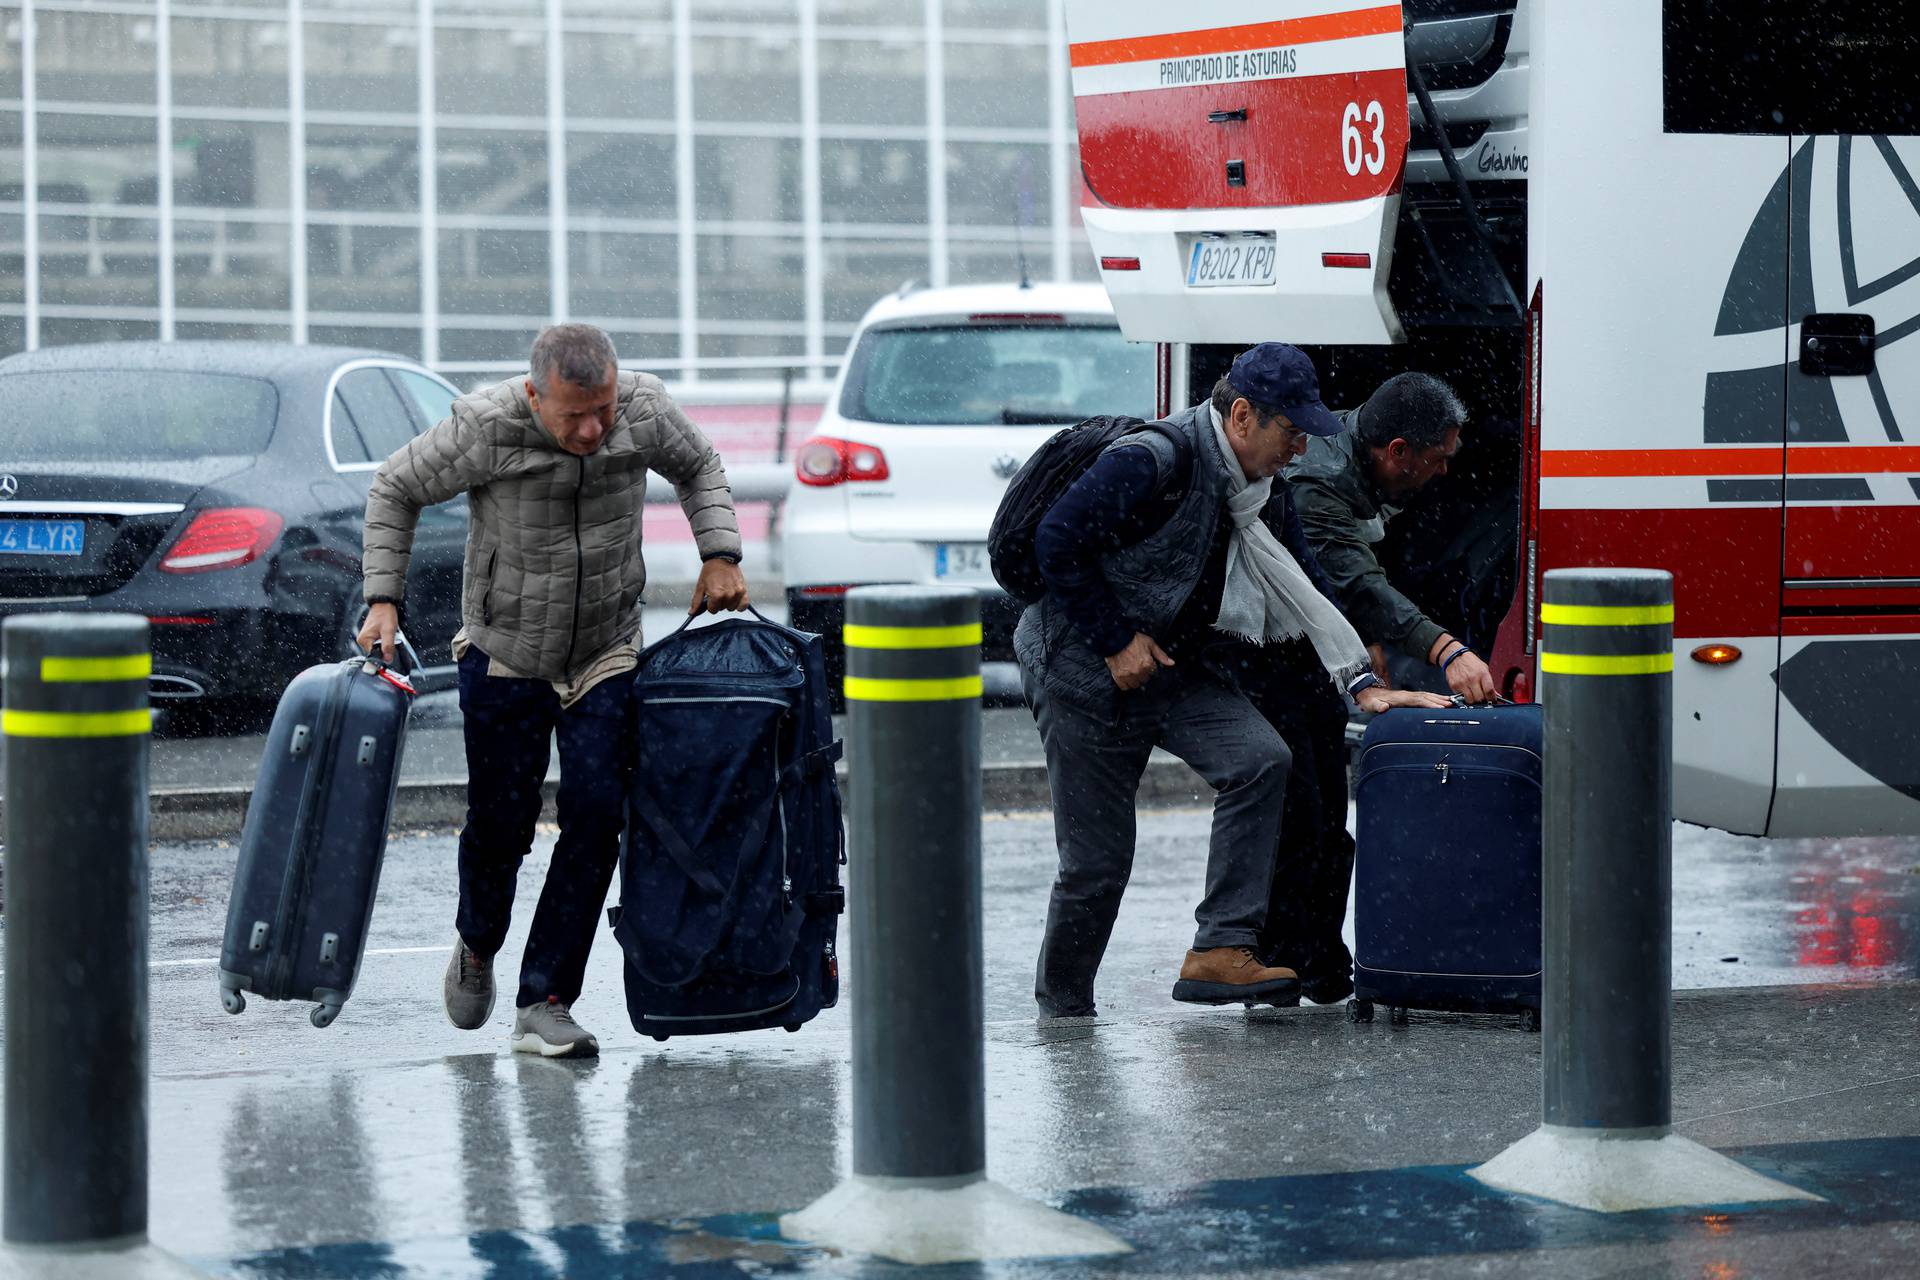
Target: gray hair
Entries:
(1416, 407)
(579, 353)
(1224, 395)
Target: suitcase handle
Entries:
(749, 609)
(404, 649)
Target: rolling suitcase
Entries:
(315, 835)
(1446, 908)
(730, 892)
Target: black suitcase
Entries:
(1446, 911)
(315, 835)
(730, 892)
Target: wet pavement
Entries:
(1220, 1142)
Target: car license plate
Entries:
(43, 537)
(1232, 260)
(962, 562)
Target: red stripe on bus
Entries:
(1253, 35)
(1801, 460)
(1873, 624)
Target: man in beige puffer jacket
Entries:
(555, 466)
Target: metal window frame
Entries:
(333, 385)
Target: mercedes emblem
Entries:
(1005, 465)
(8, 487)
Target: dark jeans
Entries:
(1094, 770)
(1313, 858)
(509, 725)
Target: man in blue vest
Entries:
(1174, 564)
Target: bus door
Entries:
(1662, 387)
(1849, 737)
(1848, 742)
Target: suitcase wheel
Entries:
(232, 1001)
(1359, 1011)
(1530, 1020)
(661, 1039)
(1397, 1015)
(793, 1026)
(324, 1014)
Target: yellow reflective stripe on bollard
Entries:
(1606, 615)
(75, 724)
(867, 689)
(856, 636)
(132, 666)
(1596, 664)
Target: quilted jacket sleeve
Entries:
(685, 457)
(434, 467)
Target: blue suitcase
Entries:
(1447, 870)
(315, 836)
(730, 891)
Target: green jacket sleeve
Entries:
(1377, 610)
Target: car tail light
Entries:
(825, 590)
(180, 620)
(824, 462)
(1362, 260)
(221, 538)
(1119, 264)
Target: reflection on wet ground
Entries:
(455, 1158)
(1751, 912)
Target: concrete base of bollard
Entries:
(1615, 1172)
(921, 1221)
(137, 1260)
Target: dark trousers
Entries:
(1313, 858)
(1094, 769)
(509, 725)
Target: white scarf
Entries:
(1268, 596)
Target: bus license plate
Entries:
(1232, 260)
(43, 537)
(962, 562)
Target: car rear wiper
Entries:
(1033, 417)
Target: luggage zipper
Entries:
(294, 878)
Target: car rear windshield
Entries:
(980, 374)
(115, 415)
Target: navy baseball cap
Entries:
(1279, 376)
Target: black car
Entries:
(217, 488)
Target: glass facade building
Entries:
(725, 185)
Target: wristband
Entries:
(1448, 661)
(1361, 683)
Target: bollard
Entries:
(916, 973)
(75, 717)
(919, 1193)
(1605, 1142)
(1606, 682)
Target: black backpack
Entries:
(1047, 475)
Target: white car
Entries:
(944, 393)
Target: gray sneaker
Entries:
(468, 990)
(549, 1030)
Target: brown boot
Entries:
(1234, 975)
